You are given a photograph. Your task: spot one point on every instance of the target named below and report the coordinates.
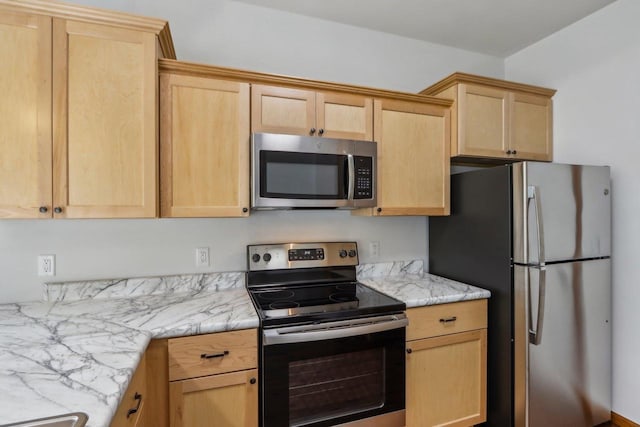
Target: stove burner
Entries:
(279, 305)
(342, 297)
(276, 295)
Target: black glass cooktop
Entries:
(304, 303)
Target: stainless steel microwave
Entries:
(291, 171)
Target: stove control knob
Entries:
(255, 257)
(352, 253)
(343, 253)
(266, 257)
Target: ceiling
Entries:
(493, 27)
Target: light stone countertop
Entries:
(78, 355)
(407, 282)
(77, 351)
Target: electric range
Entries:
(331, 348)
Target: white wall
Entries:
(595, 65)
(240, 35)
(91, 249)
(234, 34)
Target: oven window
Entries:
(334, 381)
(327, 387)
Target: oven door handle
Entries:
(333, 330)
(352, 177)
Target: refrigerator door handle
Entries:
(535, 336)
(533, 193)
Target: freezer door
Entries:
(561, 212)
(564, 336)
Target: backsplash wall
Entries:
(102, 249)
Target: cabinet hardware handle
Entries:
(379, 209)
(409, 351)
(312, 131)
(508, 151)
(245, 210)
(448, 319)
(514, 152)
(57, 209)
(214, 355)
(43, 209)
(321, 131)
(132, 411)
(252, 380)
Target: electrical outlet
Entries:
(202, 257)
(374, 249)
(46, 265)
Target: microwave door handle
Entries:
(352, 177)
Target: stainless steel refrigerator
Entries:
(537, 235)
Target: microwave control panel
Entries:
(364, 177)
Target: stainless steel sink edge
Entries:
(74, 419)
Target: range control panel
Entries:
(316, 254)
(277, 256)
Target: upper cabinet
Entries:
(205, 138)
(413, 158)
(25, 108)
(307, 112)
(81, 115)
(497, 119)
(105, 119)
(204, 146)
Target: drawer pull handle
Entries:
(448, 319)
(214, 355)
(132, 411)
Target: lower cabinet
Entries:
(213, 380)
(447, 364)
(225, 400)
(203, 380)
(132, 410)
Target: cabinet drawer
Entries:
(202, 355)
(129, 413)
(444, 319)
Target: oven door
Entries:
(333, 373)
(291, 171)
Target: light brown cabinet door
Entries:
(205, 140)
(413, 158)
(224, 400)
(132, 409)
(283, 110)
(104, 121)
(531, 127)
(344, 116)
(25, 108)
(302, 112)
(483, 121)
(446, 380)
